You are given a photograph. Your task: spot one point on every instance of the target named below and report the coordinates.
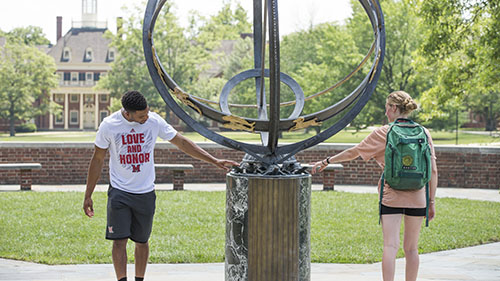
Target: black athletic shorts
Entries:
(130, 215)
(415, 212)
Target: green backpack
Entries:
(407, 158)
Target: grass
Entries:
(189, 227)
(344, 136)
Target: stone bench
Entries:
(25, 169)
(178, 171)
(328, 175)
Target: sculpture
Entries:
(269, 124)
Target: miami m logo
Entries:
(136, 168)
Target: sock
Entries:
(123, 279)
(139, 278)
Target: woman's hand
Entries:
(318, 167)
(432, 210)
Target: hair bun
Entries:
(410, 104)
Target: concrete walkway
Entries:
(465, 193)
(473, 263)
(481, 263)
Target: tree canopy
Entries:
(461, 49)
(445, 53)
(26, 74)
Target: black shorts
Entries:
(414, 212)
(130, 215)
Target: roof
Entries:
(78, 40)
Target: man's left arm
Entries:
(192, 149)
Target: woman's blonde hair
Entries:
(403, 102)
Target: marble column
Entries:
(268, 227)
(80, 111)
(96, 112)
(51, 114)
(66, 111)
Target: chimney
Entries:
(59, 28)
(119, 26)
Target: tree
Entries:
(26, 74)
(462, 51)
(181, 59)
(403, 36)
(184, 53)
(30, 35)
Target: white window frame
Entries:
(100, 115)
(71, 112)
(74, 78)
(106, 98)
(111, 54)
(88, 98)
(89, 78)
(59, 98)
(66, 53)
(89, 54)
(71, 98)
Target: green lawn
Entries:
(50, 227)
(344, 136)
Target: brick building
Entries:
(82, 57)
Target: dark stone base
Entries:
(268, 227)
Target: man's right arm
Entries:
(95, 169)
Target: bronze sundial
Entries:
(268, 123)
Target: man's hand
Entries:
(88, 207)
(226, 164)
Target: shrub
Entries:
(26, 128)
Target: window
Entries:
(73, 98)
(88, 55)
(89, 98)
(73, 117)
(59, 98)
(89, 78)
(58, 120)
(103, 114)
(66, 55)
(111, 54)
(103, 98)
(74, 78)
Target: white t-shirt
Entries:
(131, 147)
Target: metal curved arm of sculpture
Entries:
(272, 153)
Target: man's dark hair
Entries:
(133, 101)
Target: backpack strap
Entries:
(404, 120)
(427, 204)
(380, 201)
(427, 196)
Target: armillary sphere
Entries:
(268, 124)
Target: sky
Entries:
(293, 14)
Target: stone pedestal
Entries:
(268, 227)
(25, 179)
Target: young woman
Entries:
(396, 204)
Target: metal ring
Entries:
(255, 73)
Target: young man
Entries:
(130, 135)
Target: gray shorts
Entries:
(130, 215)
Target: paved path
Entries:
(466, 193)
(481, 263)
